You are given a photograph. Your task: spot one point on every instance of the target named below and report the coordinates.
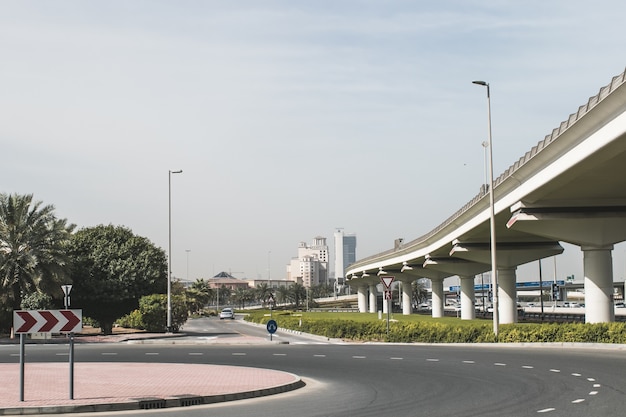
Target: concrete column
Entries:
(373, 295)
(598, 269)
(437, 297)
(362, 298)
(407, 296)
(507, 296)
(467, 298)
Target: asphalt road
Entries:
(384, 380)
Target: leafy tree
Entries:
(32, 251)
(37, 301)
(111, 270)
(153, 309)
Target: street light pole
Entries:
(169, 250)
(187, 250)
(492, 216)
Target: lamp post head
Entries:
(481, 83)
(176, 172)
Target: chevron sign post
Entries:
(47, 321)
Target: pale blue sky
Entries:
(288, 118)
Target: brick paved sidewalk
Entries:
(124, 386)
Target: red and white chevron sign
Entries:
(47, 321)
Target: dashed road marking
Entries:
(319, 356)
(358, 357)
(576, 374)
(469, 362)
(546, 410)
(109, 353)
(499, 364)
(239, 354)
(578, 401)
(555, 370)
(279, 354)
(528, 367)
(432, 360)
(196, 353)
(597, 385)
(593, 393)
(152, 353)
(396, 359)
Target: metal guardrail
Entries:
(593, 101)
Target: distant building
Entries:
(345, 253)
(310, 268)
(226, 280)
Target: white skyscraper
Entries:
(310, 268)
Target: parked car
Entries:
(227, 313)
(620, 305)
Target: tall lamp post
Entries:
(169, 250)
(492, 215)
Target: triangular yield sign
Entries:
(387, 280)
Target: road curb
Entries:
(152, 403)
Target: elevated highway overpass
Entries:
(570, 187)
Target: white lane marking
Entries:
(432, 360)
(555, 370)
(238, 354)
(196, 353)
(108, 353)
(593, 393)
(499, 364)
(279, 354)
(469, 362)
(578, 401)
(591, 379)
(396, 359)
(358, 357)
(576, 374)
(597, 385)
(319, 356)
(546, 410)
(152, 353)
(527, 367)
(62, 354)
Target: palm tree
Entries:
(264, 293)
(32, 249)
(199, 294)
(297, 293)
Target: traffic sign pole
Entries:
(22, 355)
(387, 281)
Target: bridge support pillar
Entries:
(373, 296)
(407, 296)
(362, 298)
(598, 269)
(507, 294)
(467, 298)
(437, 297)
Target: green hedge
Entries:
(434, 332)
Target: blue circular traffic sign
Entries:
(272, 326)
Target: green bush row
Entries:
(429, 332)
